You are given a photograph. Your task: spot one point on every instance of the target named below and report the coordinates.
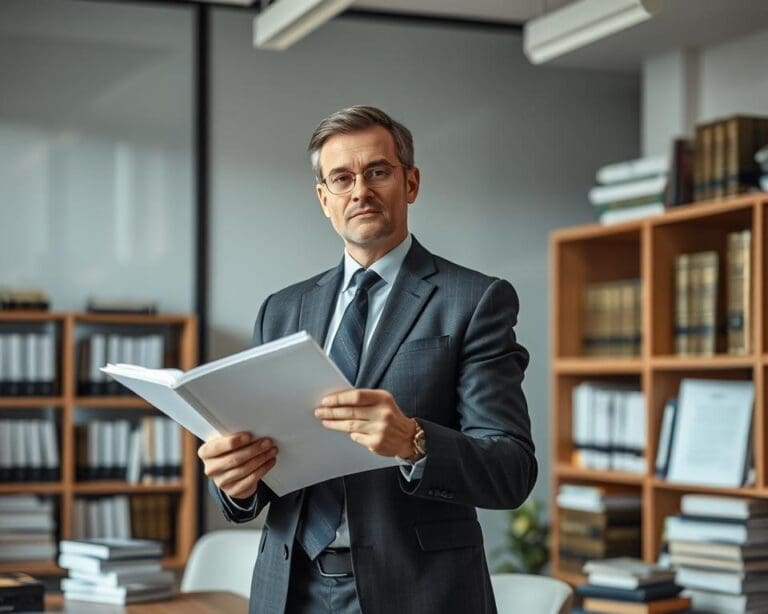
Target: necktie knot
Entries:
(364, 279)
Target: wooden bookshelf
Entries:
(646, 249)
(181, 352)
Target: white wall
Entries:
(686, 87)
(507, 153)
(95, 151)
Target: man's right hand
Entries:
(236, 463)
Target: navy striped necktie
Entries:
(324, 502)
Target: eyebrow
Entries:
(341, 169)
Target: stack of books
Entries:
(117, 571)
(630, 586)
(719, 546)
(27, 528)
(596, 524)
(630, 190)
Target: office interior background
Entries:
(99, 147)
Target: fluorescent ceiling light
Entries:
(284, 22)
(580, 23)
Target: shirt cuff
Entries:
(412, 471)
(251, 502)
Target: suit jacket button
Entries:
(431, 493)
(286, 552)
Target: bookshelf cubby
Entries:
(646, 249)
(71, 405)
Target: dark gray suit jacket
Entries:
(446, 349)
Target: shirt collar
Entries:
(388, 266)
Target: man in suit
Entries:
(432, 351)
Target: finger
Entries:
(221, 445)
(247, 486)
(236, 474)
(226, 462)
(367, 440)
(352, 426)
(369, 412)
(353, 396)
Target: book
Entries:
(629, 170)
(269, 390)
(691, 529)
(724, 552)
(732, 582)
(665, 438)
(650, 592)
(704, 562)
(112, 548)
(707, 449)
(121, 578)
(711, 601)
(599, 195)
(93, 565)
(723, 507)
(619, 216)
(626, 567)
(660, 606)
(739, 285)
(119, 595)
(21, 593)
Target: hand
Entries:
(236, 463)
(372, 419)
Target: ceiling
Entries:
(681, 23)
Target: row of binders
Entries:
(27, 528)
(28, 364)
(29, 450)
(612, 318)
(609, 429)
(100, 349)
(148, 451)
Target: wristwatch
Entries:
(419, 444)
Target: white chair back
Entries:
(516, 593)
(222, 561)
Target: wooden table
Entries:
(182, 603)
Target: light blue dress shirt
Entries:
(388, 268)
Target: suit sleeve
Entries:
(489, 462)
(246, 509)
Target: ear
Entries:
(412, 181)
(322, 197)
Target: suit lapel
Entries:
(318, 303)
(406, 300)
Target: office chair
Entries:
(528, 593)
(222, 561)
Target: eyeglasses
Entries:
(343, 182)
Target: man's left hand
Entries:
(372, 419)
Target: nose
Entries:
(360, 189)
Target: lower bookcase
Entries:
(51, 487)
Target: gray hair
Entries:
(355, 119)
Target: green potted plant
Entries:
(527, 541)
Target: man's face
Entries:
(370, 217)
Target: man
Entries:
(437, 369)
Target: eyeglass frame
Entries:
(324, 181)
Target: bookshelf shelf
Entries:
(179, 349)
(31, 402)
(596, 366)
(565, 470)
(719, 361)
(112, 486)
(112, 402)
(39, 568)
(744, 491)
(647, 250)
(42, 488)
